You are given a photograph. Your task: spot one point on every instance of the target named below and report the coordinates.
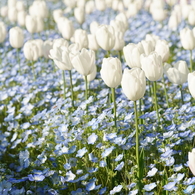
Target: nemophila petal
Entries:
(119, 166)
(84, 177)
(167, 154)
(190, 181)
(119, 157)
(92, 170)
(67, 166)
(116, 189)
(131, 185)
(110, 136)
(25, 125)
(102, 191)
(36, 177)
(180, 176)
(90, 186)
(185, 134)
(107, 151)
(129, 117)
(79, 171)
(92, 138)
(189, 189)
(77, 192)
(70, 176)
(170, 161)
(14, 137)
(72, 149)
(170, 186)
(102, 163)
(177, 167)
(152, 172)
(150, 187)
(81, 152)
(133, 192)
(92, 157)
(168, 134)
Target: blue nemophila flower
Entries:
(152, 172)
(78, 192)
(119, 166)
(67, 166)
(79, 171)
(36, 177)
(24, 159)
(116, 189)
(107, 151)
(92, 138)
(5, 187)
(103, 163)
(119, 157)
(170, 161)
(92, 157)
(177, 167)
(133, 192)
(180, 176)
(150, 187)
(90, 186)
(70, 176)
(167, 154)
(189, 189)
(81, 152)
(190, 181)
(84, 177)
(102, 191)
(170, 186)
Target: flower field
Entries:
(97, 97)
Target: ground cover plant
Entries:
(97, 97)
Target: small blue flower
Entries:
(102, 163)
(150, 187)
(189, 189)
(116, 189)
(102, 191)
(36, 177)
(170, 186)
(81, 152)
(92, 138)
(90, 186)
(107, 151)
(119, 157)
(119, 166)
(152, 172)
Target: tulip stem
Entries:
(181, 94)
(191, 65)
(71, 87)
(33, 69)
(155, 99)
(137, 145)
(18, 59)
(114, 101)
(86, 88)
(165, 90)
(64, 82)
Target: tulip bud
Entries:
(89, 7)
(187, 39)
(67, 29)
(47, 46)
(177, 74)
(147, 46)
(162, 48)
(39, 43)
(173, 22)
(84, 61)
(191, 83)
(134, 83)
(191, 17)
(57, 13)
(12, 14)
(100, 5)
(31, 24)
(123, 18)
(105, 37)
(191, 159)
(21, 18)
(111, 72)
(132, 54)
(118, 26)
(71, 4)
(20, 6)
(60, 43)
(4, 11)
(93, 27)
(152, 38)
(152, 66)
(3, 32)
(119, 41)
(93, 45)
(31, 50)
(92, 75)
(159, 14)
(39, 8)
(80, 37)
(11, 3)
(40, 24)
(79, 13)
(16, 37)
(132, 9)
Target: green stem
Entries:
(71, 86)
(137, 145)
(86, 89)
(114, 101)
(181, 94)
(64, 81)
(18, 59)
(165, 90)
(155, 99)
(191, 65)
(33, 70)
